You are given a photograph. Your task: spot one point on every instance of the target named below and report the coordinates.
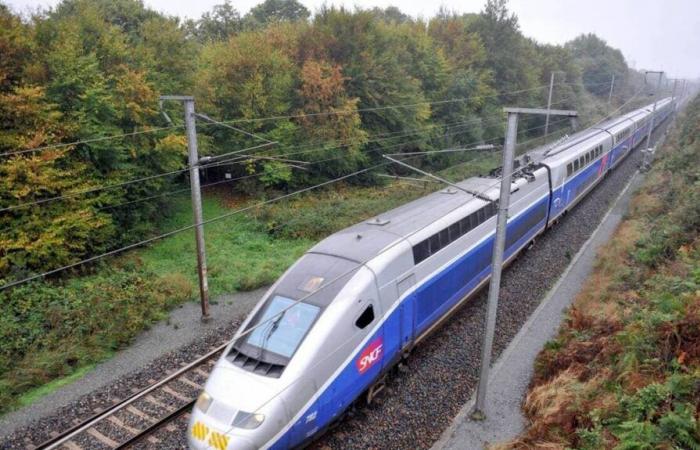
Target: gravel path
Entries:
(420, 402)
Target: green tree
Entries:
(220, 24)
(509, 56)
(16, 48)
(273, 11)
(377, 72)
(598, 62)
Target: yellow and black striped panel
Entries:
(218, 441)
(200, 431)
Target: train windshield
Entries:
(285, 322)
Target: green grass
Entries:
(35, 394)
(241, 255)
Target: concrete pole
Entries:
(496, 265)
(645, 159)
(612, 85)
(549, 106)
(197, 205)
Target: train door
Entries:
(407, 316)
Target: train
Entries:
(344, 314)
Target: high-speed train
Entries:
(356, 303)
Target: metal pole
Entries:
(496, 265)
(197, 205)
(612, 85)
(645, 161)
(549, 105)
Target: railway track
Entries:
(135, 418)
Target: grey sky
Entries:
(656, 35)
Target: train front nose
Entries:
(216, 424)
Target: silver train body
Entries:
(358, 301)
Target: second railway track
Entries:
(136, 417)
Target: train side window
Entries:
(473, 221)
(464, 226)
(480, 216)
(490, 210)
(569, 169)
(588, 158)
(444, 238)
(365, 318)
(576, 166)
(421, 251)
(454, 232)
(434, 243)
(581, 162)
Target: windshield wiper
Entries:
(274, 325)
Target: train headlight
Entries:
(248, 421)
(203, 402)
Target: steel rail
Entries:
(156, 426)
(107, 412)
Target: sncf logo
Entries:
(370, 355)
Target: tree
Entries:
(15, 47)
(220, 24)
(330, 117)
(391, 14)
(377, 71)
(273, 11)
(509, 56)
(598, 62)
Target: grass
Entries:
(35, 394)
(241, 255)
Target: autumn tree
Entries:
(330, 118)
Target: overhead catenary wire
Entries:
(129, 182)
(212, 121)
(190, 227)
(272, 118)
(177, 172)
(99, 188)
(225, 181)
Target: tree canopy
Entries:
(342, 86)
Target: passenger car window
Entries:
(421, 251)
(454, 232)
(365, 318)
(434, 243)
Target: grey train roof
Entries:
(367, 239)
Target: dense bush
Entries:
(48, 331)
